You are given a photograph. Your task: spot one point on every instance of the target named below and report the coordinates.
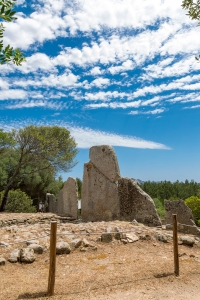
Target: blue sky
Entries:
(113, 72)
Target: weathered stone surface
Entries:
(27, 255)
(36, 248)
(51, 203)
(68, 199)
(187, 240)
(99, 196)
(105, 160)
(14, 256)
(161, 237)
(185, 218)
(63, 248)
(136, 204)
(106, 237)
(2, 261)
(131, 237)
(30, 242)
(76, 243)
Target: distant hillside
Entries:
(139, 181)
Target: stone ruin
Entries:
(67, 204)
(185, 218)
(106, 196)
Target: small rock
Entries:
(83, 249)
(98, 239)
(14, 256)
(124, 241)
(30, 242)
(106, 237)
(63, 248)
(134, 222)
(182, 254)
(187, 240)
(161, 238)
(192, 255)
(27, 255)
(94, 248)
(145, 237)
(2, 261)
(131, 237)
(86, 243)
(76, 243)
(36, 248)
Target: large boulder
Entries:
(136, 204)
(99, 196)
(105, 160)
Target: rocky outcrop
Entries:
(136, 204)
(185, 218)
(68, 199)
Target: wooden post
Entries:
(52, 263)
(175, 242)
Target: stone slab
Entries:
(136, 204)
(105, 160)
(100, 200)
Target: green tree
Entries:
(18, 201)
(79, 184)
(193, 203)
(52, 146)
(193, 8)
(5, 141)
(7, 53)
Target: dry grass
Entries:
(142, 267)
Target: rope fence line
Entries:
(53, 236)
(80, 234)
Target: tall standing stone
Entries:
(68, 199)
(136, 204)
(99, 189)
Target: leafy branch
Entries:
(8, 54)
(193, 12)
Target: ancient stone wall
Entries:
(184, 216)
(136, 204)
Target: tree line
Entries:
(171, 190)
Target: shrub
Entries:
(159, 207)
(18, 201)
(193, 203)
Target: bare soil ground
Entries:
(140, 270)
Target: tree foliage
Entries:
(79, 184)
(193, 203)
(7, 53)
(18, 201)
(171, 191)
(35, 158)
(193, 8)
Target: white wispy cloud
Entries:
(13, 94)
(87, 137)
(149, 112)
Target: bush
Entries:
(193, 203)
(159, 207)
(18, 201)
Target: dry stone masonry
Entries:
(106, 196)
(185, 218)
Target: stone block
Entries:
(99, 196)
(105, 160)
(136, 204)
(68, 199)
